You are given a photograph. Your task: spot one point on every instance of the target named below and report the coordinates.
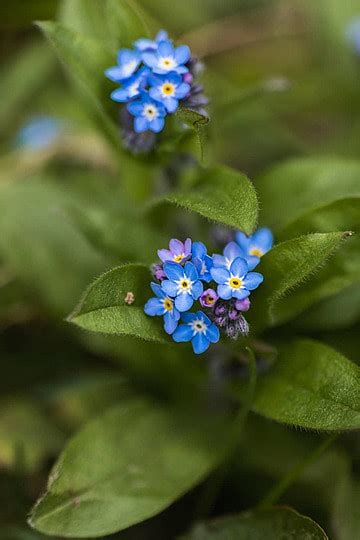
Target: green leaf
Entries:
(285, 267)
(197, 122)
(18, 533)
(271, 524)
(103, 308)
(311, 386)
(301, 186)
(86, 60)
(346, 516)
(27, 437)
(126, 466)
(220, 194)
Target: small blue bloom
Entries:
(144, 44)
(167, 58)
(231, 252)
(162, 305)
(131, 87)
(198, 329)
(202, 261)
(178, 251)
(236, 282)
(168, 89)
(255, 246)
(128, 62)
(149, 114)
(182, 284)
(39, 133)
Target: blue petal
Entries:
(173, 270)
(169, 287)
(198, 250)
(183, 302)
(182, 90)
(170, 323)
(219, 260)
(197, 290)
(263, 239)
(188, 317)
(224, 291)
(143, 43)
(157, 125)
(239, 267)
(191, 272)
(127, 55)
(157, 290)
(200, 343)
(162, 35)
(183, 333)
(154, 307)
(240, 294)
(150, 59)
(171, 104)
(253, 280)
(114, 74)
(232, 251)
(135, 108)
(243, 241)
(213, 333)
(182, 54)
(155, 93)
(141, 124)
(202, 316)
(220, 274)
(165, 48)
(252, 261)
(120, 95)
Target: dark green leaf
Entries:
(270, 524)
(103, 308)
(124, 467)
(311, 386)
(220, 194)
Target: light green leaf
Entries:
(103, 308)
(197, 122)
(27, 437)
(311, 386)
(220, 194)
(271, 524)
(126, 466)
(303, 186)
(285, 267)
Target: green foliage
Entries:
(94, 489)
(270, 524)
(311, 386)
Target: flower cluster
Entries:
(154, 77)
(221, 284)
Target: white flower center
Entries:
(184, 285)
(128, 69)
(150, 112)
(167, 62)
(198, 326)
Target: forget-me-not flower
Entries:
(236, 282)
(167, 58)
(128, 62)
(162, 305)
(182, 284)
(178, 251)
(198, 329)
(131, 87)
(255, 246)
(168, 89)
(202, 261)
(231, 252)
(149, 114)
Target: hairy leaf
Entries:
(124, 467)
(220, 194)
(311, 386)
(196, 121)
(103, 308)
(271, 524)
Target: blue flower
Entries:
(202, 261)
(167, 58)
(236, 282)
(168, 89)
(231, 252)
(149, 114)
(198, 329)
(255, 246)
(182, 284)
(144, 44)
(131, 87)
(162, 305)
(128, 62)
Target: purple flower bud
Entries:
(158, 272)
(208, 298)
(220, 310)
(220, 321)
(233, 314)
(188, 78)
(242, 305)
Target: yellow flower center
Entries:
(209, 299)
(256, 252)
(167, 63)
(179, 258)
(168, 305)
(235, 283)
(168, 89)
